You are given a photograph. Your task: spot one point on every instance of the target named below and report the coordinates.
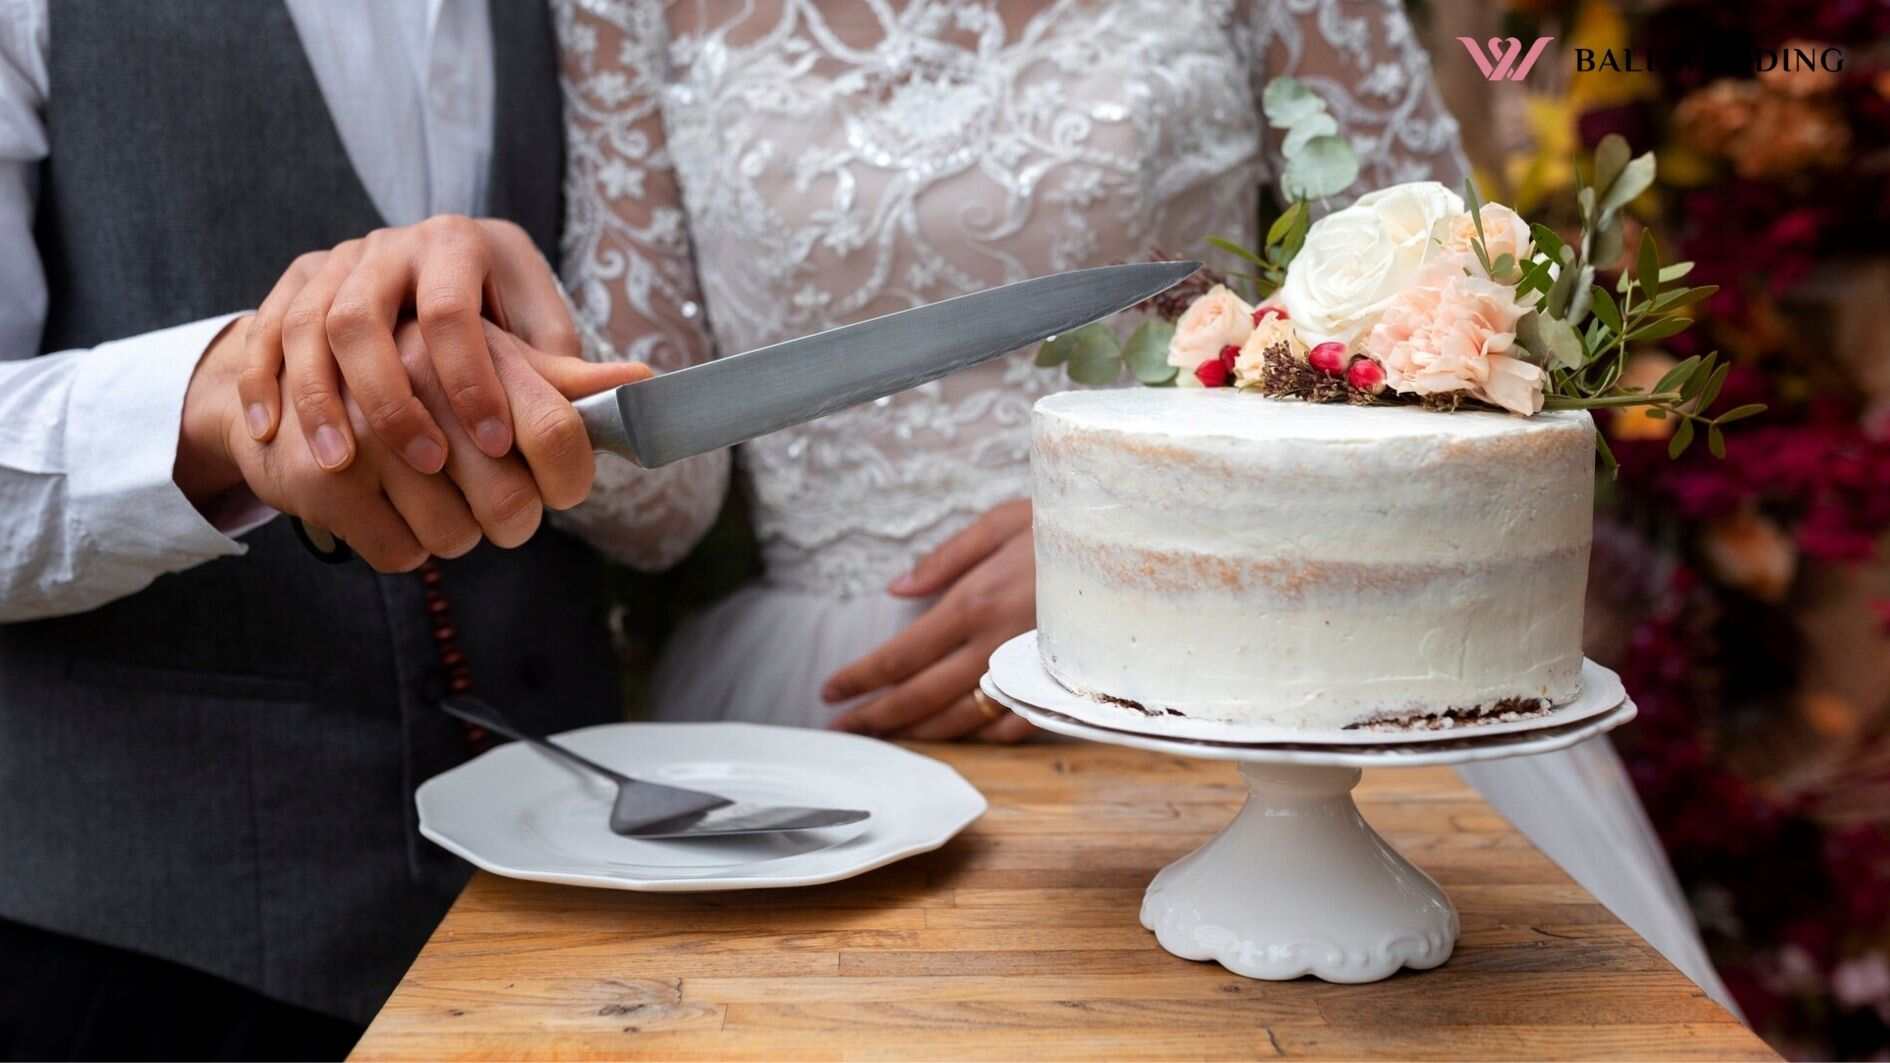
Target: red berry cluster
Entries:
(1218, 372)
(1360, 373)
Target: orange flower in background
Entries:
(1830, 715)
(1748, 551)
(1710, 119)
(1643, 371)
(1763, 133)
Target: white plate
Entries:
(1019, 672)
(1464, 746)
(516, 812)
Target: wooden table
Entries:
(1020, 939)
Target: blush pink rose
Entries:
(1504, 233)
(1215, 320)
(1455, 332)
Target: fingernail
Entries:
(494, 438)
(331, 451)
(425, 455)
(831, 694)
(902, 585)
(258, 419)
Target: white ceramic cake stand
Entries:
(1299, 884)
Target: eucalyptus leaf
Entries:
(1146, 352)
(1323, 167)
(1607, 247)
(1304, 130)
(1716, 441)
(1287, 101)
(1740, 413)
(1565, 347)
(1092, 341)
(1551, 342)
(1636, 177)
(1682, 439)
(1674, 271)
(1611, 155)
(1586, 200)
(1101, 370)
(1504, 266)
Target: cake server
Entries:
(652, 810)
(726, 401)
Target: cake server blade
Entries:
(723, 402)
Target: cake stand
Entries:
(1299, 884)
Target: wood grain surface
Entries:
(1020, 939)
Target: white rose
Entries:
(1355, 260)
(1218, 319)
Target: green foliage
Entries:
(1147, 352)
(1319, 162)
(1585, 362)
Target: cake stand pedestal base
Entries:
(1299, 884)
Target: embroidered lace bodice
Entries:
(747, 171)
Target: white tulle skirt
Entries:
(761, 655)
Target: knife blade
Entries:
(729, 400)
(723, 402)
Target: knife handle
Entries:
(603, 422)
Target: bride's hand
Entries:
(926, 677)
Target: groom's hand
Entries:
(329, 326)
(392, 515)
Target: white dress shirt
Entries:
(88, 438)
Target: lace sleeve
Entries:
(628, 268)
(1365, 60)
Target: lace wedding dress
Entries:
(747, 171)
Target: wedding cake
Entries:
(1219, 555)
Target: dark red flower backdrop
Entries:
(1769, 785)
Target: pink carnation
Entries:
(1453, 332)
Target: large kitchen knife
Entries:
(723, 402)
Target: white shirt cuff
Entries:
(124, 415)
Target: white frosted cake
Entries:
(1222, 556)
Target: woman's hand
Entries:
(926, 677)
(328, 329)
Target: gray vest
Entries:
(220, 770)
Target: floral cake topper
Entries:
(1416, 295)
